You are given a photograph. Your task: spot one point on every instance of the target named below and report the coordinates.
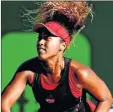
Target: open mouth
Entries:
(41, 50)
(49, 100)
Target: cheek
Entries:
(54, 47)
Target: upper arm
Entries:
(92, 83)
(16, 87)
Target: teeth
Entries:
(50, 100)
(41, 50)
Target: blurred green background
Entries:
(95, 45)
(17, 47)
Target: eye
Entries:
(44, 36)
(41, 36)
(48, 38)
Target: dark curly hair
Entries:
(68, 13)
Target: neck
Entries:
(55, 64)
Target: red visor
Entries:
(56, 29)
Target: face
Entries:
(48, 45)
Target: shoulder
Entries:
(77, 66)
(31, 64)
(26, 75)
(82, 71)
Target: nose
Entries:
(41, 42)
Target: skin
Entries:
(50, 50)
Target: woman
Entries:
(59, 84)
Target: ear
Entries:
(63, 46)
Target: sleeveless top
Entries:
(61, 98)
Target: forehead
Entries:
(42, 31)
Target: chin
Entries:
(43, 57)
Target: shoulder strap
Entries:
(67, 61)
(37, 77)
(65, 72)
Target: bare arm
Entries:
(91, 82)
(15, 89)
